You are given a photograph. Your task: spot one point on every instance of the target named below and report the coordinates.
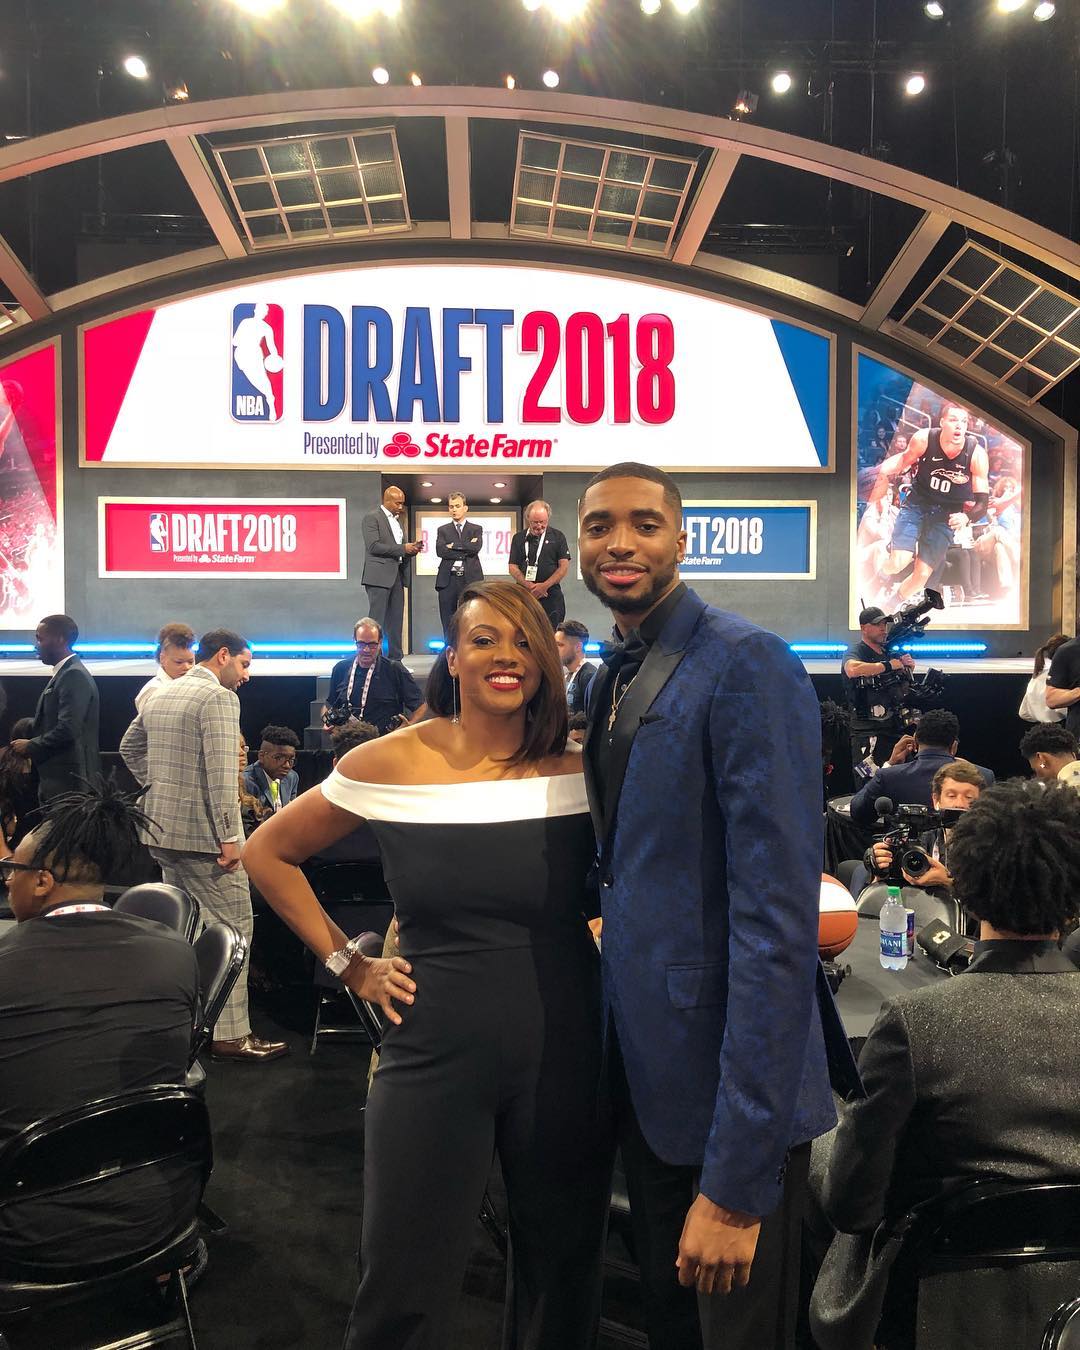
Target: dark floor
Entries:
(287, 1179)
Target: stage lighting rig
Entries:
(380, 75)
(511, 83)
(415, 80)
(781, 82)
(914, 85)
(745, 104)
(136, 67)
(550, 79)
(934, 9)
(1046, 10)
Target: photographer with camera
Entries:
(875, 719)
(908, 855)
(370, 687)
(913, 764)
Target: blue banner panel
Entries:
(758, 540)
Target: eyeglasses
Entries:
(9, 865)
(369, 645)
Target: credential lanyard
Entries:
(367, 686)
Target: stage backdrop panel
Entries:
(268, 538)
(31, 534)
(499, 528)
(513, 365)
(921, 454)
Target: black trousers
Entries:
(761, 1316)
(515, 1072)
(554, 606)
(449, 597)
(386, 605)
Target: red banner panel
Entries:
(206, 537)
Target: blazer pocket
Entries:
(701, 986)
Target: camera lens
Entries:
(914, 862)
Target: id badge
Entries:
(530, 573)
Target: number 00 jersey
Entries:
(940, 480)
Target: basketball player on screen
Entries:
(248, 352)
(950, 486)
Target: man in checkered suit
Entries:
(185, 744)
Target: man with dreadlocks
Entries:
(92, 1003)
(976, 1077)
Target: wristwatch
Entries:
(337, 963)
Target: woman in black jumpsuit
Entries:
(500, 1051)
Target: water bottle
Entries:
(893, 931)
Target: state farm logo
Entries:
(401, 443)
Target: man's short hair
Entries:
(573, 628)
(211, 643)
(175, 635)
(630, 468)
(960, 771)
(63, 626)
(351, 735)
(369, 620)
(954, 403)
(456, 497)
(1013, 856)
(1049, 738)
(937, 729)
(539, 502)
(279, 736)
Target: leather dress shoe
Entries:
(248, 1049)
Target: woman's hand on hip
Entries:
(379, 980)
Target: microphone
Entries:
(884, 806)
(951, 951)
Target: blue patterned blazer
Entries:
(709, 867)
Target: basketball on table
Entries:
(838, 919)
(274, 364)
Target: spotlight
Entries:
(380, 75)
(1044, 11)
(550, 79)
(495, 500)
(745, 104)
(498, 485)
(650, 6)
(434, 500)
(565, 10)
(427, 484)
(914, 84)
(511, 83)
(532, 5)
(684, 6)
(136, 67)
(934, 9)
(179, 93)
(415, 80)
(781, 82)
(1010, 6)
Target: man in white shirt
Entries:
(386, 566)
(174, 656)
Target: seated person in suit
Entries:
(956, 787)
(272, 780)
(908, 776)
(94, 1003)
(1052, 753)
(375, 688)
(977, 1076)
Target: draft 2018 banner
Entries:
(31, 538)
(922, 457)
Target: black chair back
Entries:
(1063, 1330)
(351, 880)
(999, 1223)
(220, 950)
(102, 1142)
(164, 904)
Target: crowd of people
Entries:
(633, 965)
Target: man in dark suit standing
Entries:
(974, 1077)
(539, 559)
(63, 744)
(570, 637)
(909, 775)
(703, 764)
(386, 566)
(458, 544)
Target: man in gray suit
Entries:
(63, 744)
(386, 566)
(975, 1077)
(184, 745)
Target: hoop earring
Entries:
(456, 718)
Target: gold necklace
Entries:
(616, 702)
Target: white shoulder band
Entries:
(459, 803)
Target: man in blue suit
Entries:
(703, 762)
(909, 774)
(272, 780)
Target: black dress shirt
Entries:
(625, 657)
(393, 691)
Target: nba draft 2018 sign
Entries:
(462, 366)
(260, 537)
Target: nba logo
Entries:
(159, 532)
(258, 363)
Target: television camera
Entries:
(895, 689)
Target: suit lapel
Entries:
(597, 698)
